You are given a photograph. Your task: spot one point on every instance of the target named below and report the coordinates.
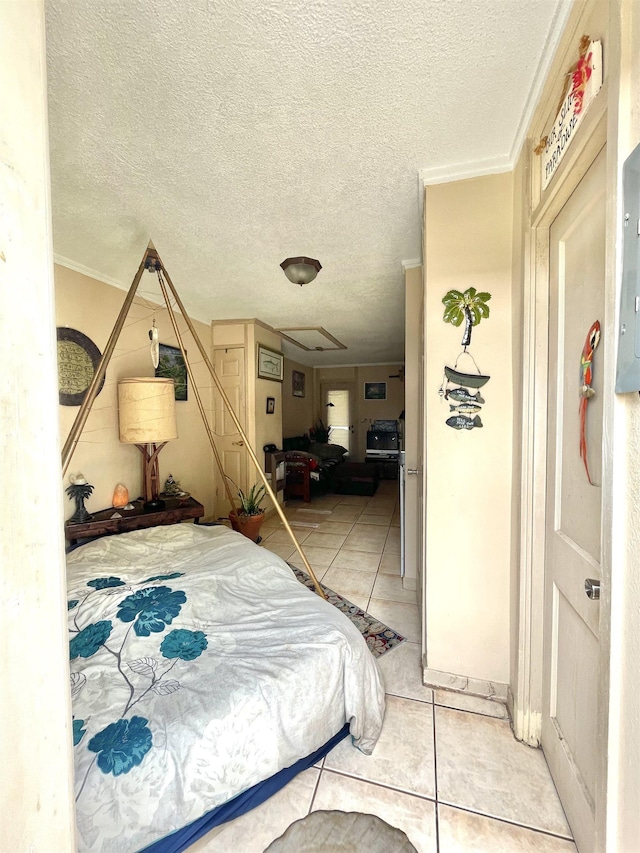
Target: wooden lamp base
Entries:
(150, 476)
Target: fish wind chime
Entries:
(469, 308)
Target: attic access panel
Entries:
(311, 338)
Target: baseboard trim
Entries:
(463, 684)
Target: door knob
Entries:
(238, 443)
(411, 471)
(592, 588)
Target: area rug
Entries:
(379, 637)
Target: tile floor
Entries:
(447, 769)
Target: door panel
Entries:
(573, 512)
(229, 365)
(339, 420)
(339, 417)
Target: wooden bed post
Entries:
(92, 391)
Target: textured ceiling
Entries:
(237, 133)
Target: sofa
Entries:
(324, 458)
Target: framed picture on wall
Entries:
(171, 366)
(271, 405)
(270, 364)
(297, 383)
(375, 390)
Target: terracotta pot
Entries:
(248, 525)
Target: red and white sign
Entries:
(586, 81)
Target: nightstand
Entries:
(102, 523)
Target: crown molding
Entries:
(464, 171)
(411, 265)
(547, 57)
(156, 299)
(506, 163)
(90, 273)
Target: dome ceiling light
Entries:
(301, 270)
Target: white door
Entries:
(338, 404)
(573, 512)
(229, 365)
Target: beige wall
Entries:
(623, 502)
(36, 782)
(297, 412)
(92, 307)
(468, 236)
(365, 411)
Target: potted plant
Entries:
(319, 432)
(250, 515)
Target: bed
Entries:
(201, 669)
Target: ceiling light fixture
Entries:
(301, 270)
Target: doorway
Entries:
(229, 364)
(571, 673)
(337, 402)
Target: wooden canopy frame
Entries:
(151, 261)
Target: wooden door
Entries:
(229, 365)
(573, 510)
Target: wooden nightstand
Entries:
(102, 523)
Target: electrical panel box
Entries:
(628, 367)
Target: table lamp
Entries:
(147, 418)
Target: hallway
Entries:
(447, 770)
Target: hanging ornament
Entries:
(155, 345)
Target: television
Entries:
(382, 443)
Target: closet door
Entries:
(229, 364)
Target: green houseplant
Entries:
(319, 432)
(248, 518)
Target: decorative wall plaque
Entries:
(78, 359)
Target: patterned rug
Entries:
(379, 637)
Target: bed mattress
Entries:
(199, 667)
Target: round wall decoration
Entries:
(78, 359)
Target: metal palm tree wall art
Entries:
(469, 308)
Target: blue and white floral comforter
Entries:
(199, 667)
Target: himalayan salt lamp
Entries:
(120, 496)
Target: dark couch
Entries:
(325, 456)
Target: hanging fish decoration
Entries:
(462, 422)
(471, 380)
(465, 408)
(586, 391)
(461, 395)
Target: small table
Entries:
(102, 523)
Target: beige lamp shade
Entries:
(146, 410)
